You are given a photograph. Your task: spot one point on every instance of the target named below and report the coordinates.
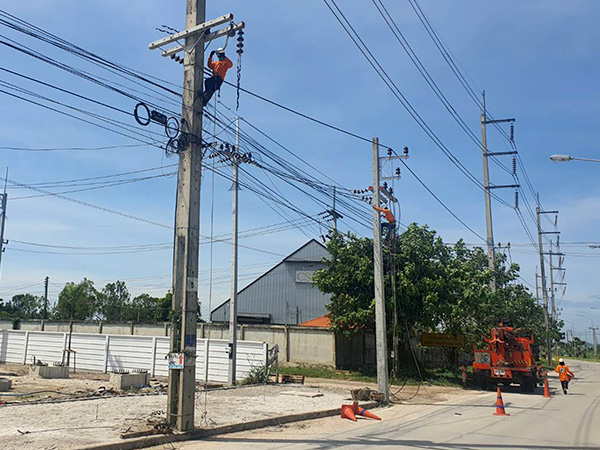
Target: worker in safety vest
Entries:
(219, 70)
(390, 226)
(564, 374)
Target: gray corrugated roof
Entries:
(277, 293)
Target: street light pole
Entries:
(565, 158)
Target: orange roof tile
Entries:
(322, 322)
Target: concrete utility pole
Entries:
(488, 200)
(3, 203)
(537, 290)
(234, 262)
(543, 277)
(46, 281)
(487, 187)
(595, 341)
(334, 214)
(552, 304)
(380, 316)
(182, 382)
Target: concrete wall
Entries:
(297, 345)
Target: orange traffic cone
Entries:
(348, 412)
(500, 411)
(363, 412)
(546, 389)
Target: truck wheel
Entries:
(482, 381)
(528, 385)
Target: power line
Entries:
(60, 149)
(442, 203)
(381, 73)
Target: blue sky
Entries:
(538, 62)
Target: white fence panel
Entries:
(218, 360)
(12, 348)
(121, 352)
(90, 350)
(129, 353)
(47, 347)
(249, 355)
(161, 365)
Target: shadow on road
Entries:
(374, 442)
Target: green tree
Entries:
(26, 306)
(163, 309)
(5, 309)
(438, 287)
(145, 308)
(114, 302)
(349, 279)
(77, 301)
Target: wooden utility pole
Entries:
(380, 316)
(3, 202)
(46, 281)
(182, 383)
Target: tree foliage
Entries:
(77, 301)
(22, 306)
(439, 287)
(114, 302)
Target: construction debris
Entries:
(307, 394)
(5, 384)
(299, 379)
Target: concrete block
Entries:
(5, 384)
(122, 381)
(49, 371)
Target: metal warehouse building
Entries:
(284, 295)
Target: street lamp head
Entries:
(561, 158)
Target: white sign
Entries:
(176, 361)
(304, 276)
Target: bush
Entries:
(256, 375)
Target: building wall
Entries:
(278, 294)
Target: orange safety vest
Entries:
(220, 67)
(389, 216)
(564, 373)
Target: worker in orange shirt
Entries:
(387, 229)
(219, 70)
(564, 374)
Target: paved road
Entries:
(563, 422)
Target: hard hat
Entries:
(561, 360)
(220, 50)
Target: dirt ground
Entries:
(429, 398)
(84, 417)
(78, 384)
(81, 411)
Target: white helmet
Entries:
(220, 50)
(561, 360)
